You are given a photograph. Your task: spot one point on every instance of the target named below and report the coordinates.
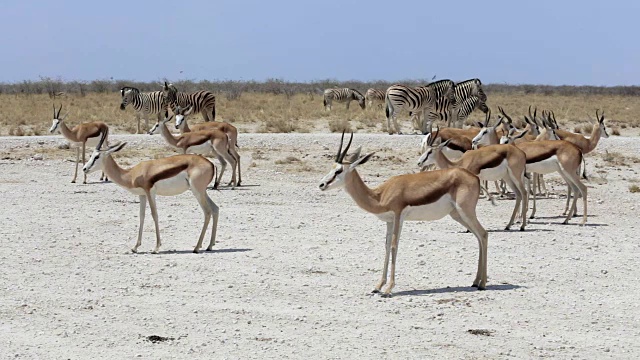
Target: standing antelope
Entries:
(169, 176)
(230, 130)
(80, 135)
(546, 157)
(425, 196)
(489, 163)
(584, 144)
(201, 142)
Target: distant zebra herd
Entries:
(441, 100)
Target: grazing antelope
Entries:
(424, 196)
(489, 163)
(169, 176)
(230, 130)
(80, 135)
(200, 142)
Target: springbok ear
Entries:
(522, 134)
(115, 148)
(480, 125)
(355, 156)
(167, 119)
(442, 145)
(361, 160)
(437, 141)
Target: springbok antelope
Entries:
(549, 156)
(584, 144)
(424, 196)
(489, 163)
(80, 135)
(168, 176)
(200, 142)
(230, 130)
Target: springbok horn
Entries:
(487, 118)
(54, 111)
(60, 109)
(435, 136)
(340, 148)
(346, 149)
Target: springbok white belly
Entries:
(202, 149)
(494, 174)
(547, 166)
(91, 143)
(168, 187)
(434, 211)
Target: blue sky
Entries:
(537, 42)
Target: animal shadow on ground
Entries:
(501, 287)
(202, 252)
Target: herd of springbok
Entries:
(466, 158)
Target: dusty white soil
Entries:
(293, 266)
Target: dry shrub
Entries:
(16, 131)
(577, 129)
(615, 132)
(634, 188)
(587, 128)
(339, 125)
(278, 126)
(287, 160)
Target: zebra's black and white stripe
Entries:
(415, 100)
(466, 107)
(342, 95)
(145, 104)
(374, 95)
(448, 111)
(201, 101)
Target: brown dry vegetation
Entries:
(266, 112)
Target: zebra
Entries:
(374, 95)
(461, 111)
(342, 95)
(418, 99)
(447, 111)
(202, 101)
(145, 104)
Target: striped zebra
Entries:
(201, 101)
(374, 95)
(447, 111)
(342, 95)
(461, 111)
(415, 100)
(145, 104)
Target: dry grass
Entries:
(339, 125)
(287, 160)
(30, 115)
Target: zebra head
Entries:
(170, 92)
(57, 119)
(341, 168)
(359, 97)
(181, 115)
(127, 93)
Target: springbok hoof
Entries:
(135, 251)
(195, 251)
(375, 291)
(386, 295)
(482, 288)
(73, 181)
